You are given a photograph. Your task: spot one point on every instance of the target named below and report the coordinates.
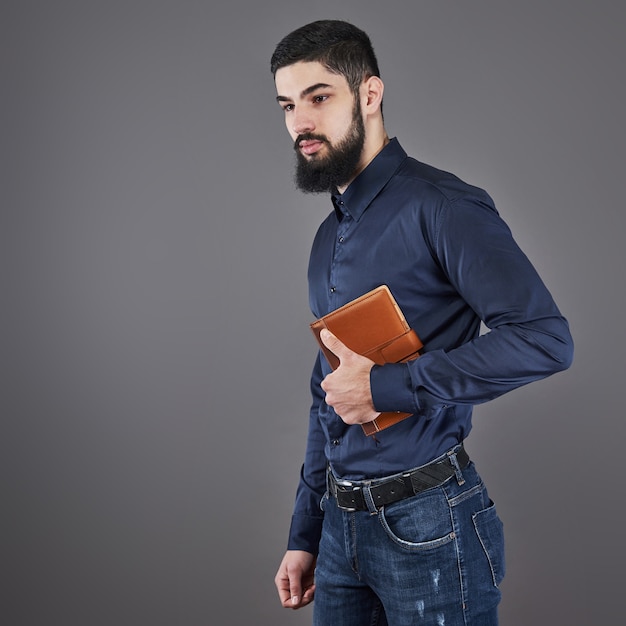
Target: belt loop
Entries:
(330, 491)
(457, 468)
(369, 500)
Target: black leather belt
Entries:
(351, 496)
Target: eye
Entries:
(319, 99)
(287, 107)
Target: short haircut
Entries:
(340, 46)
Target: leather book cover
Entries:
(373, 326)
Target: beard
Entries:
(337, 168)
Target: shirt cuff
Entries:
(392, 388)
(305, 533)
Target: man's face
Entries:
(325, 121)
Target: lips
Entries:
(310, 146)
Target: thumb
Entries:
(295, 591)
(295, 575)
(333, 344)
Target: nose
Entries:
(302, 123)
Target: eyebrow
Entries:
(305, 92)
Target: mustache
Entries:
(308, 137)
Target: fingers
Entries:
(288, 585)
(288, 600)
(288, 589)
(290, 594)
(307, 596)
(295, 580)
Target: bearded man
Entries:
(398, 528)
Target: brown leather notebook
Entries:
(373, 326)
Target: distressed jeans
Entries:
(434, 559)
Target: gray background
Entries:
(155, 344)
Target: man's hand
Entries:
(348, 387)
(295, 579)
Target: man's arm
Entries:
(528, 338)
(306, 522)
(295, 577)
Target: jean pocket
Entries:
(490, 531)
(420, 523)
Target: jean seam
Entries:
(488, 553)
(376, 614)
(353, 540)
(461, 497)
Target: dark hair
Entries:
(341, 47)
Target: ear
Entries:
(372, 90)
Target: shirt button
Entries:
(333, 289)
(336, 442)
(341, 239)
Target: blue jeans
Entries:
(436, 558)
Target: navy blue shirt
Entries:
(450, 262)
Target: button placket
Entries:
(342, 234)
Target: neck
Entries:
(373, 145)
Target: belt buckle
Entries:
(346, 483)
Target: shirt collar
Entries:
(368, 184)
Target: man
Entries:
(432, 553)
